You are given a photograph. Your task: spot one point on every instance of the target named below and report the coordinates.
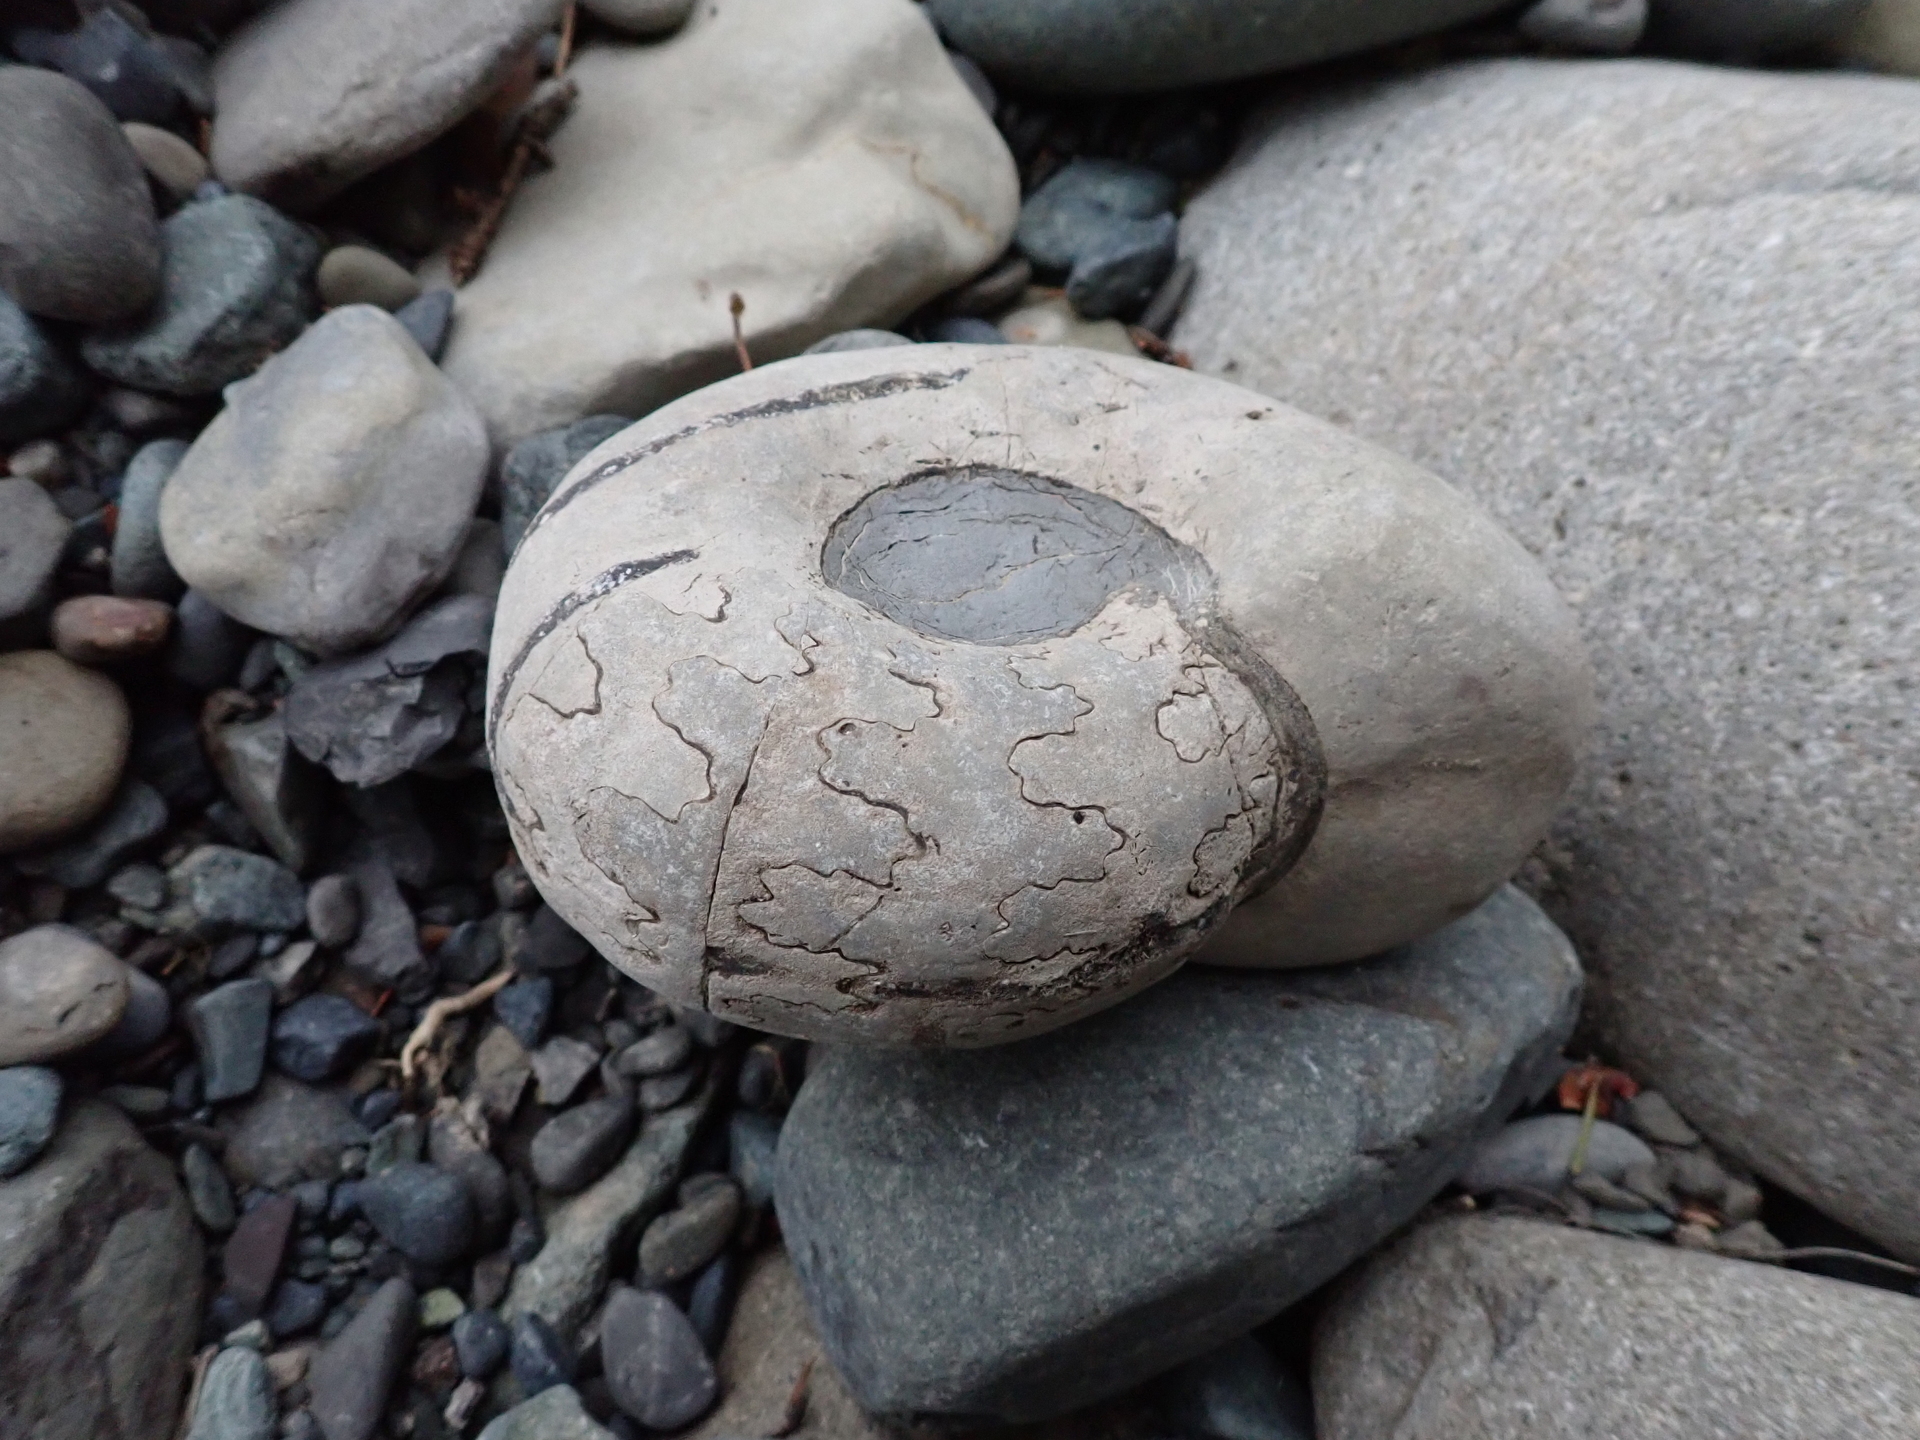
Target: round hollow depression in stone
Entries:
(1002, 557)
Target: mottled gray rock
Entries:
(68, 730)
(236, 1399)
(588, 1233)
(235, 286)
(771, 1339)
(1602, 27)
(351, 1378)
(1732, 861)
(33, 533)
(1104, 47)
(1747, 29)
(386, 949)
(560, 1067)
(230, 1026)
(140, 564)
(148, 1014)
(99, 1262)
(208, 1190)
(481, 1338)
(677, 1245)
(1074, 207)
(1013, 1233)
(1504, 1328)
(535, 467)
(60, 990)
(667, 1048)
(314, 94)
(134, 818)
(577, 1146)
(554, 1414)
(421, 1210)
(29, 1114)
(874, 184)
(288, 1133)
(370, 718)
(226, 888)
(274, 787)
(428, 321)
(40, 389)
(136, 74)
(78, 237)
(1534, 1154)
(372, 466)
(845, 340)
(1138, 659)
(1653, 1116)
(208, 647)
(656, 1369)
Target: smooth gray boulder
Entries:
(1010, 1234)
(78, 237)
(841, 173)
(1514, 1329)
(1040, 661)
(1106, 47)
(1734, 860)
(333, 491)
(99, 1262)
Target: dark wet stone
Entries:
(386, 952)
(525, 1007)
(229, 1027)
(297, 1307)
(656, 1368)
(137, 815)
(132, 72)
(40, 389)
(428, 318)
(481, 1339)
(208, 1190)
(422, 1211)
(663, 1092)
(207, 645)
(236, 1394)
(1118, 269)
(535, 467)
(352, 1377)
(996, 557)
(549, 943)
(965, 330)
(578, 1146)
(333, 910)
(752, 1141)
(322, 1037)
(29, 1115)
(679, 1243)
(290, 1132)
(282, 796)
(667, 1048)
(1236, 1392)
(540, 1358)
(236, 285)
(471, 953)
(1080, 204)
(710, 1302)
(227, 887)
(250, 1263)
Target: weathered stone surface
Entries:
(1014, 1233)
(32, 535)
(99, 1259)
(1040, 721)
(236, 1399)
(1886, 37)
(554, 1414)
(1109, 46)
(59, 990)
(1734, 860)
(1504, 1328)
(656, 1369)
(140, 565)
(78, 236)
(351, 1378)
(386, 949)
(29, 1114)
(314, 94)
(287, 1133)
(771, 1340)
(274, 787)
(332, 493)
(40, 388)
(841, 175)
(64, 733)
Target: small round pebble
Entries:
(59, 991)
(423, 1212)
(656, 1369)
(178, 168)
(540, 1358)
(29, 1114)
(64, 731)
(322, 1037)
(578, 1146)
(679, 1244)
(333, 910)
(440, 1308)
(104, 629)
(357, 275)
(480, 1338)
(666, 1049)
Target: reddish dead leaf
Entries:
(1598, 1082)
(432, 937)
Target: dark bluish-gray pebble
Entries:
(656, 1368)
(423, 1212)
(525, 1007)
(681, 1242)
(663, 1092)
(322, 1037)
(549, 943)
(229, 1028)
(480, 1339)
(142, 1024)
(208, 1190)
(207, 645)
(965, 330)
(578, 1146)
(296, 1308)
(752, 1141)
(130, 71)
(230, 887)
(40, 389)
(1120, 266)
(540, 1358)
(29, 1115)
(427, 319)
(1082, 202)
(471, 953)
(333, 910)
(710, 1302)
(352, 1378)
(537, 464)
(666, 1049)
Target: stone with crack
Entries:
(943, 695)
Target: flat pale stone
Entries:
(1515, 1329)
(944, 694)
(839, 175)
(1700, 418)
(64, 733)
(313, 94)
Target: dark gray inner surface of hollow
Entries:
(1001, 557)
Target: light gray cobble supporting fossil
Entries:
(940, 696)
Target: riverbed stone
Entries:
(29, 1114)
(1748, 29)
(314, 94)
(656, 1369)
(175, 165)
(275, 787)
(140, 564)
(236, 1398)
(1106, 47)
(227, 888)
(41, 390)
(351, 1379)
(99, 1260)
(554, 1414)
(33, 535)
(844, 173)
(372, 464)
(108, 629)
(1008, 1234)
(919, 694)
(1731, 860)
(1885, 37)
(60, 990)
(1501, 1328)
(287, 1133)
(236, 285)
(78, 237)
(230, 1028)
(66, 731)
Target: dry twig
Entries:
(441, 1011)
(737, 307)
(795, 1415)
(565, 53)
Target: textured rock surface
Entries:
(770, 1341)
(1108, 46)
(989, 795)
(1734, 861)
(316, 93)
(32, 535)
(554, 1414)
(841, 175)
(78, 237)
(1010, 1234)
(40, 389)
(287, 1133)
(1504, 1328)
(334, 491)
(99, 1259)
(64, 733)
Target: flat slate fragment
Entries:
(1005, 1235)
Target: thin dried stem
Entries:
(565, 53)
(441, 1011)
(737, 307)
(795, 1414)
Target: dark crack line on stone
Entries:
(719, 858)
(599, 674)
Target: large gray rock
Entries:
(1698, 417)
(78, 236)
(1040, 661)
(40, 389)
(67, 731)
(236, 286)
(841, 175)
(1512, 1329)
(1010, 1234)
(333, 491)
(1108, 46)
(99, 1268)
(314, 94)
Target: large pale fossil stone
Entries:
(941, 696)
